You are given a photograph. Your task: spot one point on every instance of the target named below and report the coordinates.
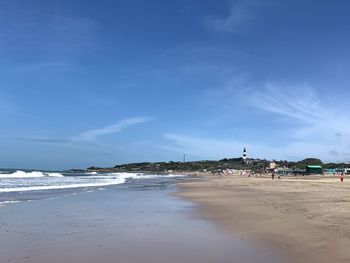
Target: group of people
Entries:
(272, 175)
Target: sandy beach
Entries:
(305, 218)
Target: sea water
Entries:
(25, 185)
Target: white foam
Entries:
(34, 174)
(9, 202)
(3, 203)
(67, 186)
(60, 182)
(54, 174)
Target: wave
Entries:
(34, 174)
(92, 180)
(67, 186)
(3, 203)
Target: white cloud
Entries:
(91, 135)
(302, 104)
(299, 101)
(318, 125)
(305, 124)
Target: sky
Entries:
(101, 83)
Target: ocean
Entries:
(27, 185)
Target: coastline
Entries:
(305, 218)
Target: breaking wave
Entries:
(34, 174)
(21, 181)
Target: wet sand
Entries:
(147, 225)
(306, 218)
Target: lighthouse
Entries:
(244, 154)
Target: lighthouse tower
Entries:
(244, 154)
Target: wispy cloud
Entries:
(315, 124)
(240, 13)
(301, 122)
(91, 135)
(300, 102)
(114, 128)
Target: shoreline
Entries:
(305, 218)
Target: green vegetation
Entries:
(206, 165)
(213, 166)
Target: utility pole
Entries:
(184, 158)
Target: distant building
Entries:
(246, 159)
(272, 165)
(314, 169)
(283, 170)
(244, 154)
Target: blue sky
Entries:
(105, 82)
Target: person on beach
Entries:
(273, 175)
